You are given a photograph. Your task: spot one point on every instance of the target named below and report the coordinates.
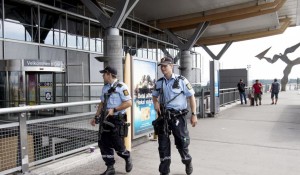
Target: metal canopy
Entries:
(230, 20)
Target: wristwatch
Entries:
(193, 113)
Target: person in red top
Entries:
(257, 90)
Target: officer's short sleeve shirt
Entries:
(120, 95)
(173, 97)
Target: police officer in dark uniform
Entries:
(111, 139)
(172, 92)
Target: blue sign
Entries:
(48, 96)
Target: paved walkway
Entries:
(241, 140)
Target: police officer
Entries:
(117, 102)
(173, 90)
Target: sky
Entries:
(240, 54)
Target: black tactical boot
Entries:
(128, 165)
(189, 168)
(109, 171)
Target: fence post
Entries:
(202, 106)
(23, 142)
(234, 95)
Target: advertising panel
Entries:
(144, 77)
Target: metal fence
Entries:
(27, 143)
(231, 95)
(226, 97)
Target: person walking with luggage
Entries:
(115, 99)
(275, 87)
(241, 87)
(170, 101)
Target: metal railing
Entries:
(227, 96)
(27, 143)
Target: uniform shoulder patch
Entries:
(120, 85)
(125, 92)
(189, 86)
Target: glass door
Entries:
(3, 87)
(40, 91)
(46, 92)
(45, 88)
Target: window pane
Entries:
(79, 42)
(56, 37)
(96, 42)
(93, 45)
(86, 43)
(49, 38)
(75, 32)
(99, 45)
(71, 41)
(14, 31)
(63, 38)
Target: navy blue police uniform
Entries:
(173, 93)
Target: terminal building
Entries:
(51, 52)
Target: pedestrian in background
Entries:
(275, 87)
(241, 87)
(257, 91)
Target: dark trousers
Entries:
(111, 141)
(182, 141)
(243, 96)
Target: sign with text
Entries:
(43, 63)
(144, 77)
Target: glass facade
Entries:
(61, 31)
(70, 26)
(40, 24)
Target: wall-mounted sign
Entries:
(45, 84)
(43, 63)
(48, 96)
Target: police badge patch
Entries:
(189, 86)
(125, 92)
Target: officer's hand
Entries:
(110, 112)
(93, 122)
(194, 120)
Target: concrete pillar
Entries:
(186, 63)
(113, 50)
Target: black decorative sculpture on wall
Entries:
(284, 58)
